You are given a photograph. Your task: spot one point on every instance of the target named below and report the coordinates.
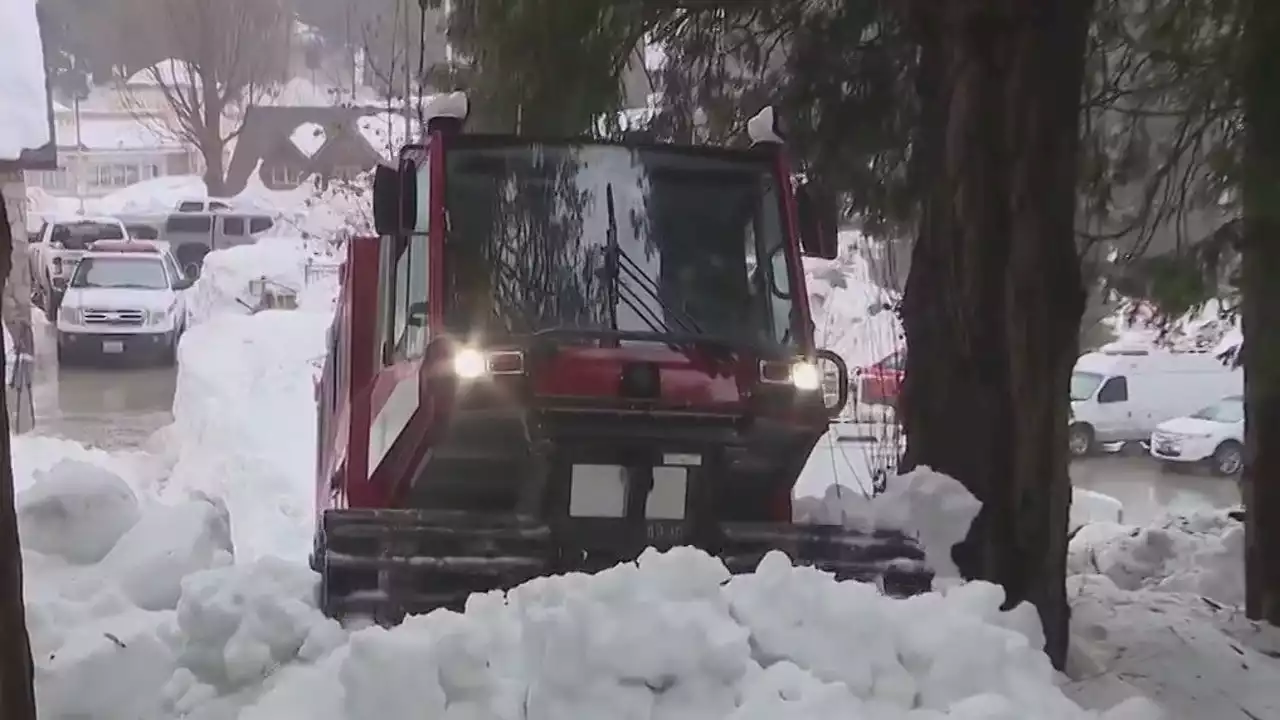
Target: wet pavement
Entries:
(111, 405)
(1147, 491)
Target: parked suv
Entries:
(125, 298)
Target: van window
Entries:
(233, 226)
(188, 224)
(1083, 385)
(1115, 390)
(190, 206)
(259, 224)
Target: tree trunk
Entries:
(212, 143)
(17, 694)
(994, 298)
(1260, 264)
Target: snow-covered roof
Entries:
(24, 119)
(119, 134)
(172, 73)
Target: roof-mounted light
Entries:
(447, 112)
(765, 127)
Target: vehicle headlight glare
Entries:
(805, 376)
(469, 363)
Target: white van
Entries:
(1122, 395)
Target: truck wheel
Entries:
(1228, 459)
(1080, 440)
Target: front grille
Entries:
(115, 318)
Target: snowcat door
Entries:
(819, 221)
(395, 193)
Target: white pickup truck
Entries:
(55, 250)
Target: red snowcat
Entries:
(560, 352)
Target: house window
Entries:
(284, 176)
(116, 175)
(49, 179)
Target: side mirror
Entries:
(835, 381)
(395, 192)
(417, 315)
(819, 221)
(183, 283)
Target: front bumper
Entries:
(114, 343)
(1181, 448)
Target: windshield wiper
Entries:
(619, 262)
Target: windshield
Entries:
(78, 235)
(602, 237)
(1083, 385)
(1227, 410)
(121, 272)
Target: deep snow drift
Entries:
(1201, 553)
(138, 613)
(244, 426)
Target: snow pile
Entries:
(24, 120)
(149, 197)
(244, 427)
(225, 283)
(244, 424)
(930, 506)
(139, 614)
(34, 456)
(672, 636)
(1202, 553)
(1196, 658)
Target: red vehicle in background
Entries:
(881, 383)
(559, 352)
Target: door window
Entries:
(1115, 390)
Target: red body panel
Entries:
(687, 379)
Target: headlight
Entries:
(805, 376)
(70, 314)
(469, 364)
(156, 317)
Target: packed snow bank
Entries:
(672, 636)
(24, 119)
(244, 424)
(35, 455)
(1202, 554)
(1195, 658)
(164, 626)
(244, 407)
(225, 283)
(930, 506)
